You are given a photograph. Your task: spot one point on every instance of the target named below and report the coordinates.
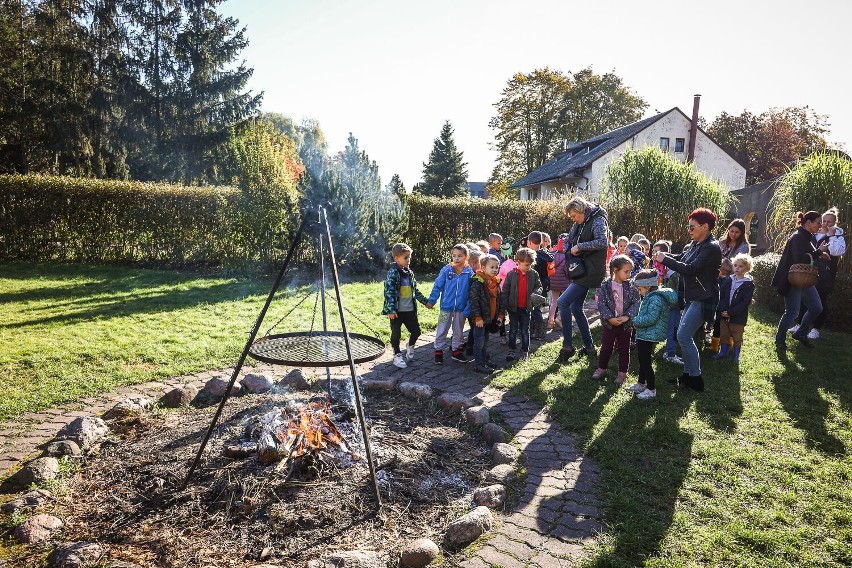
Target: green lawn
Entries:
(754, 472)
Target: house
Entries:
(582, 165)
(477, 189)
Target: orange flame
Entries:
(309, 430)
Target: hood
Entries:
(667, 294)
(596, 211)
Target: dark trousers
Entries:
(519, 322)
(409, 320)
(646, 360)
(617, 337)
(480, 344)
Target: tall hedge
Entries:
(45, 218)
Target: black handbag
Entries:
(576, 267)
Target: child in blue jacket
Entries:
(452, 285)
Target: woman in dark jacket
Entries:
(801, 248)
(699, 267)
(588, 241)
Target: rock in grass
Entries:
(477, 415)
(492, 496)
(38, 528)
(38, 471)
(470, 527)
(379, 384)
(419, 553)
(86, 432)
(294, 380)
(63, 448)
(256, 383)
(454, 402)
(493, 434)
(31, 500)
(218, 386)
(130, 406)
(179, 396)
(503, 473)
(415, 390)
(503, 453)
(76, 555)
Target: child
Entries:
(485, 309)
(713, 320)
(670, 279)
(400, 293)
(473, 263)
(618, 304)
(559, 280)
(621, 245)
(517, 293)
(483, 246)
(495, 242)
(452, 286)
(634, 251)
(735, 296)
(543, 258)
(646, 248)
(506, 266)
(651, 326)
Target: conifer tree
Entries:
(445, 174)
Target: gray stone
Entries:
(454, 402)
(179, 396)
(218, 386)
(239, 451)
(76, 555)
(477, 415)
(63, 448)
(379, 384)
(256, 383)
(294, 380)
(503, 473)
(415, 390)
(503, 453)
(86, 431)
(419, 553)
(351, 559)
(38, 471)
(470, 527)
(493, 496)
(493, 434)
(38, 528)
(31, 500)
(130, 406)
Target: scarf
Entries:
(491, 283)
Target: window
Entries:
(664, 144)
(679, 143)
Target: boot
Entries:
(681, 380)
(723, 351)
(695, 383)
(737, 354)
(714, 345)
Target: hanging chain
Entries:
(354, 315)
(314, 316)
(299, 303)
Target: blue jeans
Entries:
(519, 321)
(570, 303)
(690, 322)
(671, 332)
(480, 345)
(794, 298)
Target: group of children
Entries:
(639, 303)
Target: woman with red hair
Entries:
(698, 266)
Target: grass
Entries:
(754, 472)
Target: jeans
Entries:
(480, 345)
(690, 322)
(796, 296)
(671, 332)
(570, 303)
(519, 321)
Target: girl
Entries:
(618, 304)
(670, 279)
(559, 280)
(735, 294)
(485, 308)
(621, 245)
(735, 240)
(651, 324)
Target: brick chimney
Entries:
(693, 130)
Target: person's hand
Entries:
(825, 256)
(659, 256)
(575, 250)
(430, 305)
(624, 319)
(614, 321)
(480, 323)
(392, 316)
(725, 314)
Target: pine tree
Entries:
(445, 174)
(396, 187)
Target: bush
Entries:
(840, 308)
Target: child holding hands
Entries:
(400, 307)
(452, 286)
(486, 309)
(618, 303)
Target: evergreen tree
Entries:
(445, 174)
(15, 40)
(396, 187)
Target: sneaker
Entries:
(599, 374)
(458, 355)
(565, 354)
(637, 388)
(589, 351)
(647, 393)
(439, 357)
(620, 378)
(803, 340)
(793, 329)
(399, 361)
(673, 359)
(409, 353)
(813, 334)
(485, 369)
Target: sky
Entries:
(393, 71)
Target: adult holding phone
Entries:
(698, 266)
(586, 246)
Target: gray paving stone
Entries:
(495, 557)
(517, 548)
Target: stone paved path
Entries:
(556, 516)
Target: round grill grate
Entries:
(317, 349)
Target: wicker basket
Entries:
(803, 275)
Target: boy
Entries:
(485, 309)
(543, 258)
(452, 286)
(495, 243)
(517, 293)
(400, 293)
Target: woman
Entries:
(829, 231)
(698, 266)
(734, 241)
(587, 240)
(801, 248)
